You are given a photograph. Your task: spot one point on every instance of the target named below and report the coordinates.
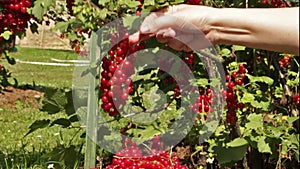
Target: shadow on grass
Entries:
(22, 159)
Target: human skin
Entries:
(274, 29)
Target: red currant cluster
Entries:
(275, 3)
(204, 102)
(297, 99)
(132, 157)
(158, 160)
(236, 78)
(70, 4)
(115, 77)
(189, 59)
(139, 9)
(193, 2)
(14, 16)
(285, 61)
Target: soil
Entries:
(10, 95)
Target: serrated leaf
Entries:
(41, 7)
(50, 106)
(103, 13)
(62, 122)
(255, 121)
(247, 98)
(238, 47)
(62, 26)
(263, 146)
(54, 101)
(38, 124)
(237, 142)
(6, 35)
(263, 79)
(260, 104)
(277, 132)
(291, 119)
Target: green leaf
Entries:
(10, 60)
(201, 81)
(255, 121)
(237, 142)
(176, 2)
(238, 48)
(74, 118)
(247, 98)
(225, 52)
(264, 105)
(62, 26)
(131, 22)
(41, 7)
(149, 2)
(263, 146)
(38, 124)
(34, 27)
(145, 134)
(62, 122)
(290, 120)
(54, 100)
(103, 13)
(69, 106)
(227, 155)
(129, 3)
(50, 106)
(263, 79)
(6, 35)
(103, 2)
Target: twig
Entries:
(278, 165)
(80, 127)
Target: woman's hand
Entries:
(193, 27)
(182, 27)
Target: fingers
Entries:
(153, 24)
(137, 36)
(162, 35)
(178, 45)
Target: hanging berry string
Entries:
(116, 84)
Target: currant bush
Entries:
(115, 81)
(14, 16)
(234, 79)
(134, 157)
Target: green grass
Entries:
(51, 76)
(17, 151)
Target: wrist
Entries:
(226, 26)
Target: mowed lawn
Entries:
(17, 151)
(54, 76)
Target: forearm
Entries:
(270, 29)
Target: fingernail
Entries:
(145, 29)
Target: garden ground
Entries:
(19, 108)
